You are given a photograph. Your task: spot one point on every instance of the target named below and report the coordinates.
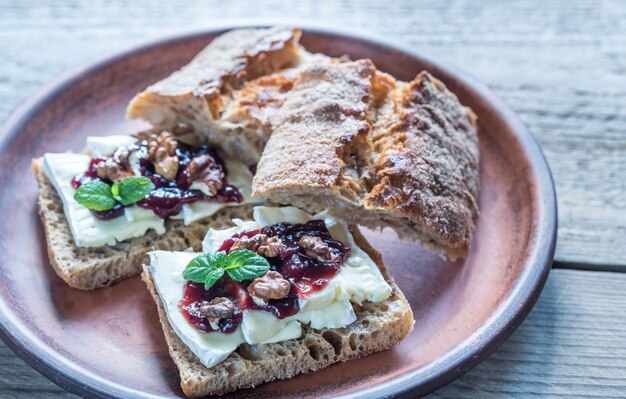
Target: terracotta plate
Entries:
(109, 343)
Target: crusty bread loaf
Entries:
(377, 152)
(89, 268)
(200, 92)
(332, 134)
(378, 327)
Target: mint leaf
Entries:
(206, 268)
(244, 264)
(132, 189)
(240, 265)
(115, 191)
(95, 195)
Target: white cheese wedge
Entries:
(88, 231)
(358, 279)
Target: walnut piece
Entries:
(206, 170)
(271, 285)
(162, 153)
(111, 170)
(261, 244)
(217, 308)
(318, 249)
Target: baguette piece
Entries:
(377, 152)
(378, 327)
(90, 268)
(200, 92)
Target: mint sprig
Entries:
(132, 189)
(240, 265)
(99, 196)
(95, 195)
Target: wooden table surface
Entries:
(560, 64)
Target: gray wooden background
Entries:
(560, 64)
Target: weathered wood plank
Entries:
(560, 64)
(571, 345)
(19, 381)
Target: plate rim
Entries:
(457, 361)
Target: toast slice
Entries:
(90, 268)
(378, 327)
(377, 152)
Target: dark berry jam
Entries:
(168, 197)
(90, 175)
(225, 287)
(117, 210)
(305, 274)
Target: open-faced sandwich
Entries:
(103, 209)
(282, 294)
(248, 297)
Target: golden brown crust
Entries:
(376, 152)
(426, 165)
(318, 128)
(202, 90)
(257, 102)
(230, 60)
(334, 134)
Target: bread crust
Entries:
(426, 167)
(332, 133)
(90, 268)
(377, 152)
(390, 320)
(202, 90)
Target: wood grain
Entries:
(560, 64)
(571, 345)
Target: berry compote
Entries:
(306, 275)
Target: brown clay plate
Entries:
(109, 343)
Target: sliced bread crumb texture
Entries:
(89, 268)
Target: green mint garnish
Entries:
(206, 269)
(99, 196)
(132, 189)
(240, 265)
(95, 195)
(245, 265)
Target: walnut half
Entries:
(271, 285)
(217, 308)
(206, 170)
(162, 153)
(318, 249)
(261, 244)
(112, 170)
